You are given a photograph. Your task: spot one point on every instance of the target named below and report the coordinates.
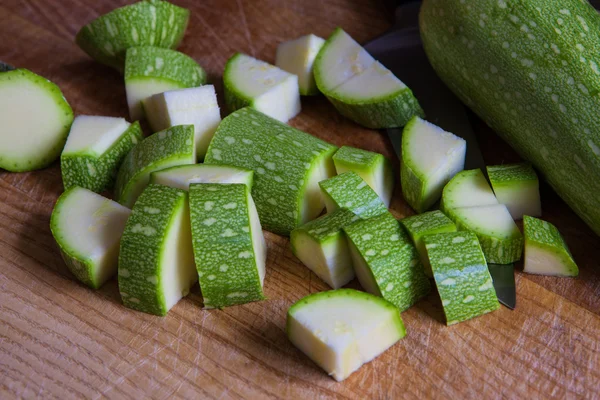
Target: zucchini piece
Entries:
(321, 246)
(350, 191)
(288, 166)
(467, 189)
(145, 23)
(182, 176)
(150, 70)
(156, 262)
(461, 276)
(255, 83)
(340, 330)
(430, 158)
(229, 246)
(359, 87)
(27, 143)
(546, 252)
(499, 236)
(429, 223)
(386, 262)
(372, 167)
(530, 70)
(517, 187)
(95, 148)
(192, 106)
(164, 149)
(297, 57)
(87, 228)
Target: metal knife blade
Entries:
(5, 67)
(401, 51)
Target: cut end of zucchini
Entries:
(297, 57)
(516, 186)
(29, 143)
(182, 176)
(500, 238)
(467, 189)
(87, 227)
(321, 246)
(192, 106)
(546, 252)
(152, 70)
(255, 83)
(145, 23)
(94, 135)
(343, 329)
(430, 158)
(372, 167)
(158, 233)
(229, 244)
(461, 275)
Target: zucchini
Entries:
(297, 57)
(461, 276)
(321, 245)
(87, 228)
(546, 252)
(467, 189)
(517, 187)
(156, 261)
(340, 330)
(145, 23)
(373, 168)
(30, 142)
(150, 70)
(255, 83)
(351, 192)
(192, 106)
(359, 87)
(182, 176)
(529, 69)
(229, 246)
(430, 158)
(95, 148)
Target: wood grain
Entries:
(61, 340)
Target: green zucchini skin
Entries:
(531, 71)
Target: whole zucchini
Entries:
(531, 70)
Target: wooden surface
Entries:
(59, 339)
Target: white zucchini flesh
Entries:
(343, 329)
(297, 57)
(182, 176)
(93, 134)
(191, 106)
(468, 189)
(87, 227)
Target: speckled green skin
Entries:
(98, 172)
(142, 247)
(327, 231)
(351, 294)
(429, 223)
(222, 238)
(461, 275)
(13, 162)
(351, 192)
(179, 69)
(545, 236)
(281, 158)
(391, 258)
(146, 23)
(392, 110)
(4, 67)
(168, 148)
(508, 174)
(498, 247)
(530, 69)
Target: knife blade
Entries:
(401, 51)
(5, 67)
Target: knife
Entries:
(401, 51)
(5, 67)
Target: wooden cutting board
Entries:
(59, 339)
